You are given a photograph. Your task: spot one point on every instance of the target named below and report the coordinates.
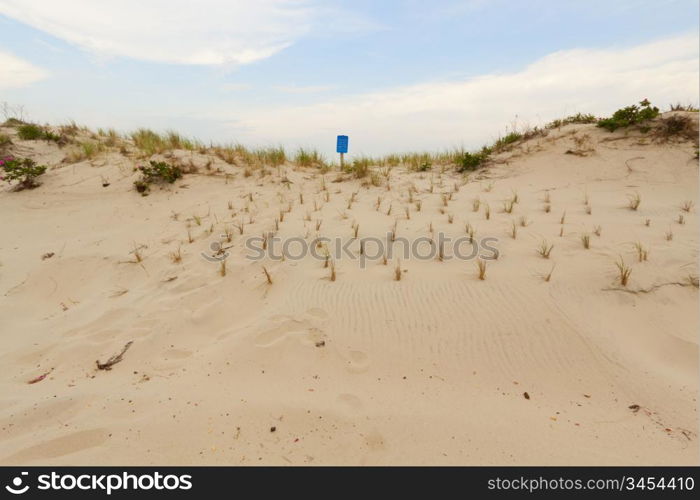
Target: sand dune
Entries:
(437, 368)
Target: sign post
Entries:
(342, 148)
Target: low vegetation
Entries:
(23, 171)
(156, 173)
(151, 142)
(630, 115)
(623, 272)
(577, 118)
(33, 132)
(545, 249)
(5, 142)
(678, 126)
(360, 167)
(308, 158)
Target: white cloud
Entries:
(235, 87)
(303, 89)
(209, 32)
(438, 115)
(18, 72)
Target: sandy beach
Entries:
(548, 360)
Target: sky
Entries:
(394, 75)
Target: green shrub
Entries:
(30, 132)
(22, 170)
(630, 115)
(157, 172)
(472, 161)
(50, 136)
(33, 132)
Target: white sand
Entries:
(428, 370)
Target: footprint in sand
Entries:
(357, 361)
(278, 334)
(350, 402)
(305, 331)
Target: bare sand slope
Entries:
(431, 369)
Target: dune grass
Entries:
(176, 256)
(397, 271)
(308, 158)
(481, 269)
(586, 240)
(623, 272)
(85, 150)
(633, 201)
(547, 277)
(545, 249)
(642, 251)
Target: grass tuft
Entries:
(547, 277)
(623, 272)
(642, 253)
(176, 256)
(586, 240)
(545, 249)
(633, 201)
(481, 268)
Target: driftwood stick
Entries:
(107, 365)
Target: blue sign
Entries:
(342, 144)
